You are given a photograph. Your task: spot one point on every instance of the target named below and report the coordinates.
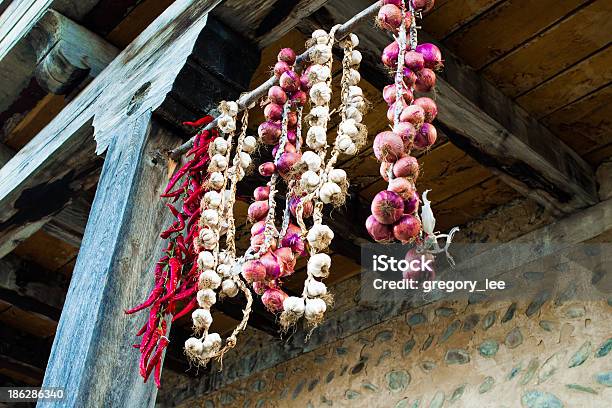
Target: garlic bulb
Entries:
(343, 142)
(207, 235)
(312, 160)
(226, 123)
(316, 138)
(349, 127)
(353, 113)
(319, 34)
(294, 304)
(216, 180)
(215, 339)
(209, 279)
(321, 73)
(329, 192)
(210, 217)
(354, 77)
(202, 319)
(206, 260)
(321, 53)
(310, 180)
(245, 160)
(229, 107)
(320, 93)
(318, 265)
(224, 270)
(356, 57)
(206, 298)
(218, 163)
(337, 176)
(354, 91)
(350, 150)
(249, 144)
(315, 308)
(320, 236)
(212, 199)
(193, 346)
(354, 39)
(314, 288)
(225, 258)
(219, 146)
(229, 288)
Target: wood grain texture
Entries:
(504, 27)
(555, 50)
(69, 224)
(485, 123)
(585, 124)
(113, 271)
(570, 85)
(449, 16)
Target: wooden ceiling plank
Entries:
(569, 86)
(503, 28)
(585, 124)
(450, 16)
(553, 51)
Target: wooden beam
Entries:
(138, 80)
(113, 271)
(23, 356)
(67, 53)
(574, 229)
(485, 123)
(69, 224)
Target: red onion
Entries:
(253, 271)
(286, 260)
(294, 229)
(273, 112)
(258, 210)
(409, 77)
(389, 54)
(291, 136)
(289, 148)
(379, 232)
(307, 208)
(270, 262)
(429, 106)
(280, 68)
(299, 98)
(261, 193)
(305, 81)
(414, 60)
(390, 93)
(431, 55)
(277, 95)
(411, 205)
(426, 136)
(287, 55)
(286, 162)
(273, 299)
(413, 114)
(295, 242)
(426, 80)
(424, 5)
(407, 228)
(391, 110)
(406, 131)
(411, 255)
(389, 17)
(258, 228)
(402, 186)
(260, 287)
(258, 240)
(269, 132)
(291, 119)
(388, 146)
(267, 169)
(407, 166)
(289, 81)
(384, 170)
(387, 207)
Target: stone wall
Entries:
(530, 352)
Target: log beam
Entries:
(485, 123)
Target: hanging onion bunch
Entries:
(394, 211)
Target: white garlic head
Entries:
(329, 192)
(320, 236)
(206, 298)
(202, 319)
(312, 160)
(316, 138)
(206, 260)
(320, 93)
(294, 304)
(314, 288)
(209, 279)
(249, 144)
(229, 288)
(319, 265)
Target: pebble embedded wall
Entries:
(455, 354)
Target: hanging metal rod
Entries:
(249, 98)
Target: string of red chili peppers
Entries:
(176, 272)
